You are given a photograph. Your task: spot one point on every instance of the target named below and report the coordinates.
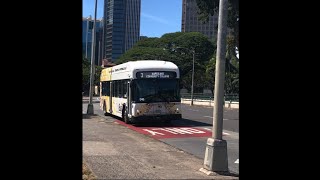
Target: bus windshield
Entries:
(156, 90)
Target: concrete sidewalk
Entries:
(113, 151)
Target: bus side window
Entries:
(103, 84)
(108, 88)
(116, 90)
(102, 88)
(125, 83)
(120, 88)
(105, 88)
(113, 88)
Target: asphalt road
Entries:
(199, 117)
(194, 116)
(204, 114)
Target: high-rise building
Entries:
(87, 25)
(191, 23)
(121, 27)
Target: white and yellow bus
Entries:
(141, 90)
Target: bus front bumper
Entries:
(157, 117)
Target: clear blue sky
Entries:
(157, 16)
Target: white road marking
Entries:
(209, 129)
(193, 110)
(208, 116)
(224, 133)
(153, 132)
(237, 161)
(175, 131)
(212, 117)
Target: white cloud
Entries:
(160, 20)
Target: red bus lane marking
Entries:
(176, 132)
(169, 132)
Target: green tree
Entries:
(178, 48)
(85, 74)
(211, 72)
(97, 74)
(149, 42)
(210, 7)
(232, 71)
(86, 69)
(142, 53)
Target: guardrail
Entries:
(201, 96)
(230, 101)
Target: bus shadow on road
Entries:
(192, 123)
(173, 123)
(87, 116)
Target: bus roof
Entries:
(151, 64)
(129, 69)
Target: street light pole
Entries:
(193, 53)
(90, 109)
(87, 31)
(99, 56)
(216, 155)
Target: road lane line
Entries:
(237, 161)
(208, 116)
(193, 110)
(212, 117)
(224, 133)
(209, 129)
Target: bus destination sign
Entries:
(152, 74)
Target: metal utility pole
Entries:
(193, 53)
(87, 31)
(90, 109)
(99, 56)
(216, 157)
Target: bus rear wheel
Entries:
(125, 116)
(104, 109)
